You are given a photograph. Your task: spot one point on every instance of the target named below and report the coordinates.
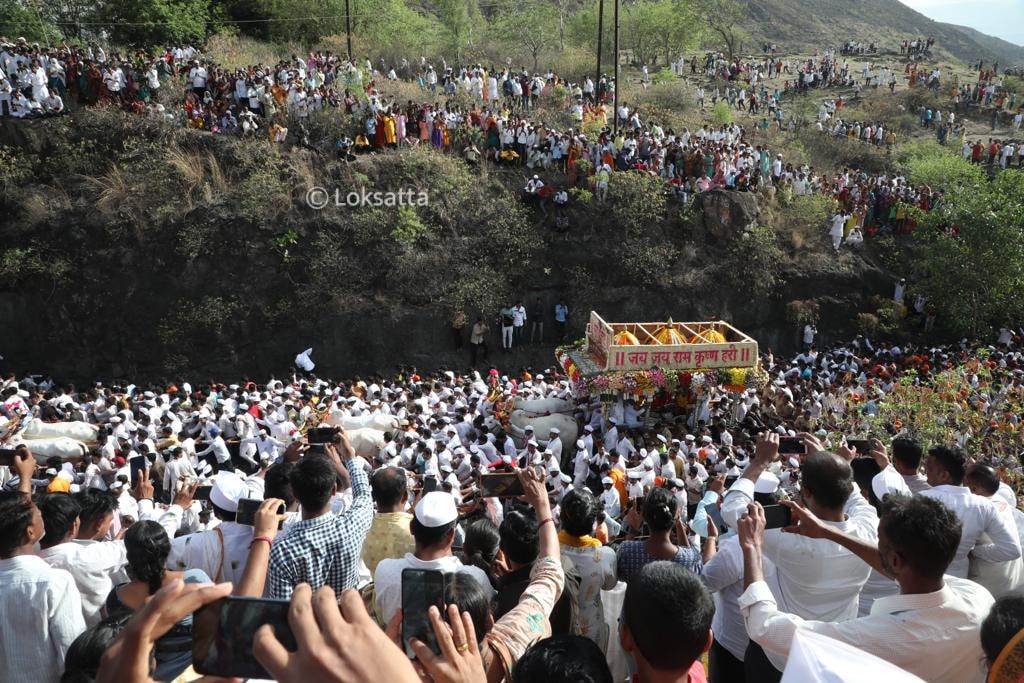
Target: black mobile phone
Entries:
(792, 445)
(861, 446)
(777, 516)
(8, 456)
(421, 588)
(246, 513)
(321, 435)
(500, 485)
(223, 631)
(429, 484)
(138, 469)
(202, 493)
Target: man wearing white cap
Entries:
(525, 457)
(555, 444)
(560, 485)
(549, 464)
(267, 447)
(588, 438)
(223, 551)
(581, 465)
(610, 498)
(433, 528)
(634, 489)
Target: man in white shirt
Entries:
(433, 529)
(906, 460)
(945, 468)
(221, 552)
(178, 468)
(42, 609)
(93, 566)
(1000, 578)
(581, 466)
(610, 498)
(930, 629)
(812, 580)
(219, 449)
(518, 321)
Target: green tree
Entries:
(970, 260)
(18, 18)
(392, 25)
(150, 23)
(458, 21)
(661, 28)
(928, 163)
(723, 22)
(532, 25)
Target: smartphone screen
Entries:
(715, 515)
(501, 485)
(246, 513)
(421, 588)
(862, 446)
(223, 631)
(777, 516)
(7, 457)
(138, 469)
(202, 493)
(320, 435)
(791, 445)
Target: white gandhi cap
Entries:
(435, 509)
(228, 489)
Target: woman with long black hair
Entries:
(147, 548)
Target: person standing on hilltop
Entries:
(506, 314)
(478, 339)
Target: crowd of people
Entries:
(647, 542)
(498, 126)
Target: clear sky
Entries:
(1001, 18)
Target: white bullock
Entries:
(378, 421)
(79, 431)
(61, 447)
(366, 442)
(544, 406)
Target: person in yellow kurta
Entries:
(390, 131)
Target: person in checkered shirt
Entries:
(323, 548)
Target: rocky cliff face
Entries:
(137, 251)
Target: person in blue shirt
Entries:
(561, 316)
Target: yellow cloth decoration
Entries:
(565, 538)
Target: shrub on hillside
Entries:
(722, 113)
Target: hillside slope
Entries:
(813, 24)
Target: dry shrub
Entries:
(189, 166)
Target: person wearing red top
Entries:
(666, 624)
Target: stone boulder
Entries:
(727, 213)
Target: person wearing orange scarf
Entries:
(594, 560)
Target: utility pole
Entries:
(600, 36)
(615, 49)
(348, 29)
